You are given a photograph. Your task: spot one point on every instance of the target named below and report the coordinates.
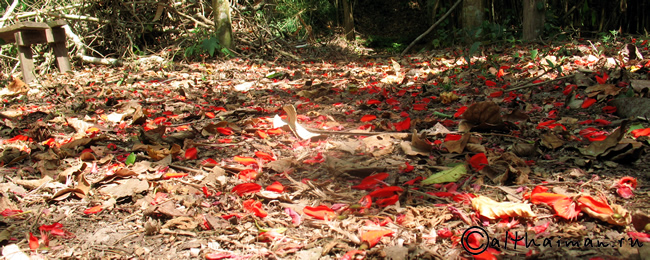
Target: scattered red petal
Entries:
(368, 118)
(373, 102)
(420, 107)
(247, 175)
(244, 188)
(496, 94)
(275, 131)
(404, 125)
(641, 237)
(371, 181)
(460, 111)
(603, 79)
(209, 162)
(372, 237)
(225, 130)
(641, 132)
(10, 212)
(413, 181)
(174, 175)
(385, 192)
(388, 201)
(609, 109)
(33, 242)
(276, 186)
(321, 212)
(93, 210)
(191, 153)
(255, 207)
(597, 205)
(244, 160)
(588, 102)
(352, 254)
(317, 159)
(264, 156)
(478, 161)
(407, 168)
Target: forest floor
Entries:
(417, 157)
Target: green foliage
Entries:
(292, 16)
(203, 45)
(387, 43)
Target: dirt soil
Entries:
(252, 159)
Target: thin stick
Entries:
(540, 83)
(430, 28)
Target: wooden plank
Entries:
(7, 33)
(57, 23)
(29, 37)
(56, 38)
(26, 63)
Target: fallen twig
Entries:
(537, 84)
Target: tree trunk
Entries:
(473, 14)
(222, 23)
(348, 20)
(533, 19)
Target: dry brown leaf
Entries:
(491, 209)
(486, 112)
(448, 97)
(551, 141)
(620, 217)
(457, 146)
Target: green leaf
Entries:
(438, 114)
(550, 63)
(210, 45)
(635, 127)
(130, 159)
(227, 52)
(273, 75)
(474, 49)
(533, 54)
(450, 175)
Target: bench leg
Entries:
(25, 57)
(56, 37)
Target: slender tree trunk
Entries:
(348, 20)
(533, 19)
(473, 13)
(222, 23)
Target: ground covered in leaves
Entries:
(537, 151)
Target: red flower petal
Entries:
(93, 210)
(387, 201)
(225, 130)
(276, 186)
(597, 205)
(404, 125)
(33, 242)
(191, 153)
(588, 102)
(371, 181)
(244, 188)
(321, 212)
(245, 160)
(478, 161)
(385, 192)
(254, 206)
(368, 118)
(373, 236)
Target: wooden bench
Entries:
(24, 34)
